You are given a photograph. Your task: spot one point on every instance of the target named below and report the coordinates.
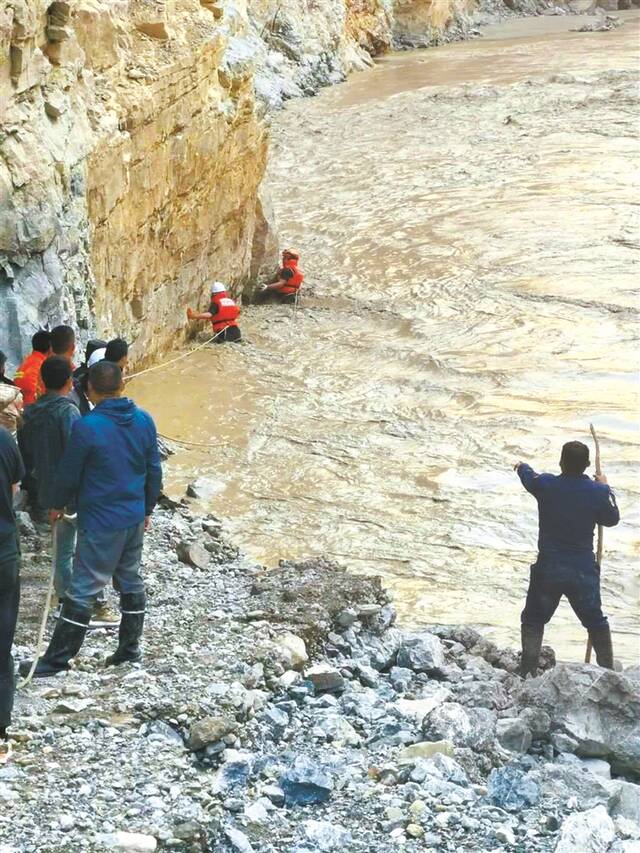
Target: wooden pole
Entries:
(587, 656)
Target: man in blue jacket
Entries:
(569, 507)
(111, 471)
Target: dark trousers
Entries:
(575, 576)
(9, 603)
(274, 297)
(231, 334)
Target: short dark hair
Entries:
(105, 377)
(92, 346)
(41, 341)
(574, 458)
(3, 360)
(55, 372)
(116, 349)
(62, 337)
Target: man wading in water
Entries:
(569, 507)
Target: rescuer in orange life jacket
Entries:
(223, 314)
(290, 278)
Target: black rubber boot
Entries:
(602, 646)
(67, 639)
(531, 644)
(7, 691)
(132, 605)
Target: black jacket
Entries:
(43, 438)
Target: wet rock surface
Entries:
(301, 729)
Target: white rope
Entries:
(174, 360)
(47, 604)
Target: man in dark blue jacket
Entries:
(111, 471)
(569, 507)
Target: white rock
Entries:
(256, 813)
(238, 840)
(128, 842)
(597, 766)
(587, 832)
(417, 709)
(326, 835)
(289, 678)
(295, 648)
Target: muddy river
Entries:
(467, 219)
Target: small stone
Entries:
(346, 618)
(193, 554)
(306, 782)
(55, 106)
(504, 834)
(72, 706)
(128, 842)
(425, 749)
(238, 840)
(511, 789)
(417, 808)
(415, 830)
(513, 734)
(325, 679)
(154, 29)
(366, 611)
(326, 835)
(26, 527)
(289, 678)
(256, 813)
(274, 793)
(421, 653)
(295, 648)
(209, 730)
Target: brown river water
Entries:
(467, 219)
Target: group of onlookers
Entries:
(87, 458)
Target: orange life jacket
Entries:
(27, 376)
(227, 314)
(293, 284)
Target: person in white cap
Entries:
(223, 314)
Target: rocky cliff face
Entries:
(133, 141)
(130, 162)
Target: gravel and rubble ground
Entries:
(284, 710)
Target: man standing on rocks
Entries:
(111, 470)
(43, 438)
(569, 507)
(11, 472)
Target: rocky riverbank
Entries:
(284, 710)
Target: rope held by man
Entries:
(47, 604)
(587, 656)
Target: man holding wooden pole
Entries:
(569, 507)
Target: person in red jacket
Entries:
(289, 282)
(28, 374)
(223, 314)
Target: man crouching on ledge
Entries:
(569, 507)
(111, 471)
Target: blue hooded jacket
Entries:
(111, 467)
(569, 507)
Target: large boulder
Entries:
(564, 780)
(597, 709)
(587, 832)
